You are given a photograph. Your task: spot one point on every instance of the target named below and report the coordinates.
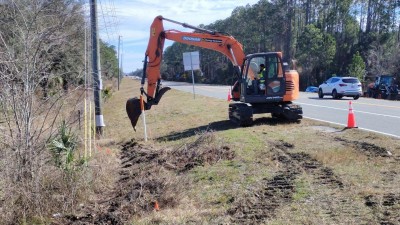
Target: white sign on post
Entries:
(191, 61)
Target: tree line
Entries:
(319, 38)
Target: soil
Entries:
(366, 148)
(152, 177)
(277, 192)
(148, 178)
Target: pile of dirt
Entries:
(149, 178)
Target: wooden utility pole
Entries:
(97, 84)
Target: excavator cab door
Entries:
(263, 78)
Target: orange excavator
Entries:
(270, 89)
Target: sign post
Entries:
(191, 61)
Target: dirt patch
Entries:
(304, 162)
(278, 191)
(148, 177)
(325, 129)
(263, 200)
(371, 150)
(322, 175)
(389, 176)
(386, 208)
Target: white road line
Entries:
(374, 131)
(376, 114)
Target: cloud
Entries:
(135, 17)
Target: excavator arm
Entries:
(204, 38)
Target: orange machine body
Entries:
(271, 90)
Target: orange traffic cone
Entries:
(351, 120)
(229, 95)
(156, 206)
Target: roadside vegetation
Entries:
(196, 167)
(42, 83)
(199, 168)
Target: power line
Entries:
(110, 21)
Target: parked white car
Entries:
(338, 87)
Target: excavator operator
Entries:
(261, 76)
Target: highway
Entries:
(376, 115)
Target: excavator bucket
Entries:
(133, 110)
(134, 107)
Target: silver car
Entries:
(338, 87)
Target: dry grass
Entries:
(281, 173)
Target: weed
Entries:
(302, 190)
(63, 146)
(106, 93)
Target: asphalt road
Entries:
(376, 115)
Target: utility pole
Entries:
(122, 57)
(97, 84)
(121, 71)
(119, 57)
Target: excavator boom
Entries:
(204, 38)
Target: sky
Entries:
(129, 22)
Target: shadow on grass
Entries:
(214, 126)
(269, 121)
(221, 126)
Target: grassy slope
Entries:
(351, 178)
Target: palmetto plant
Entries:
(63, 147)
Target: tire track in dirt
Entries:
(385, 207)
(322, 178)
(149, 175)
(306, 163)
(264, 200)
(370, 150)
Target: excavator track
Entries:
(292, 112)
(241, 113)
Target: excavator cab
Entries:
(263, 78)
(267, 89)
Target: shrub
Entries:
(63, 146)
(106, 93)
